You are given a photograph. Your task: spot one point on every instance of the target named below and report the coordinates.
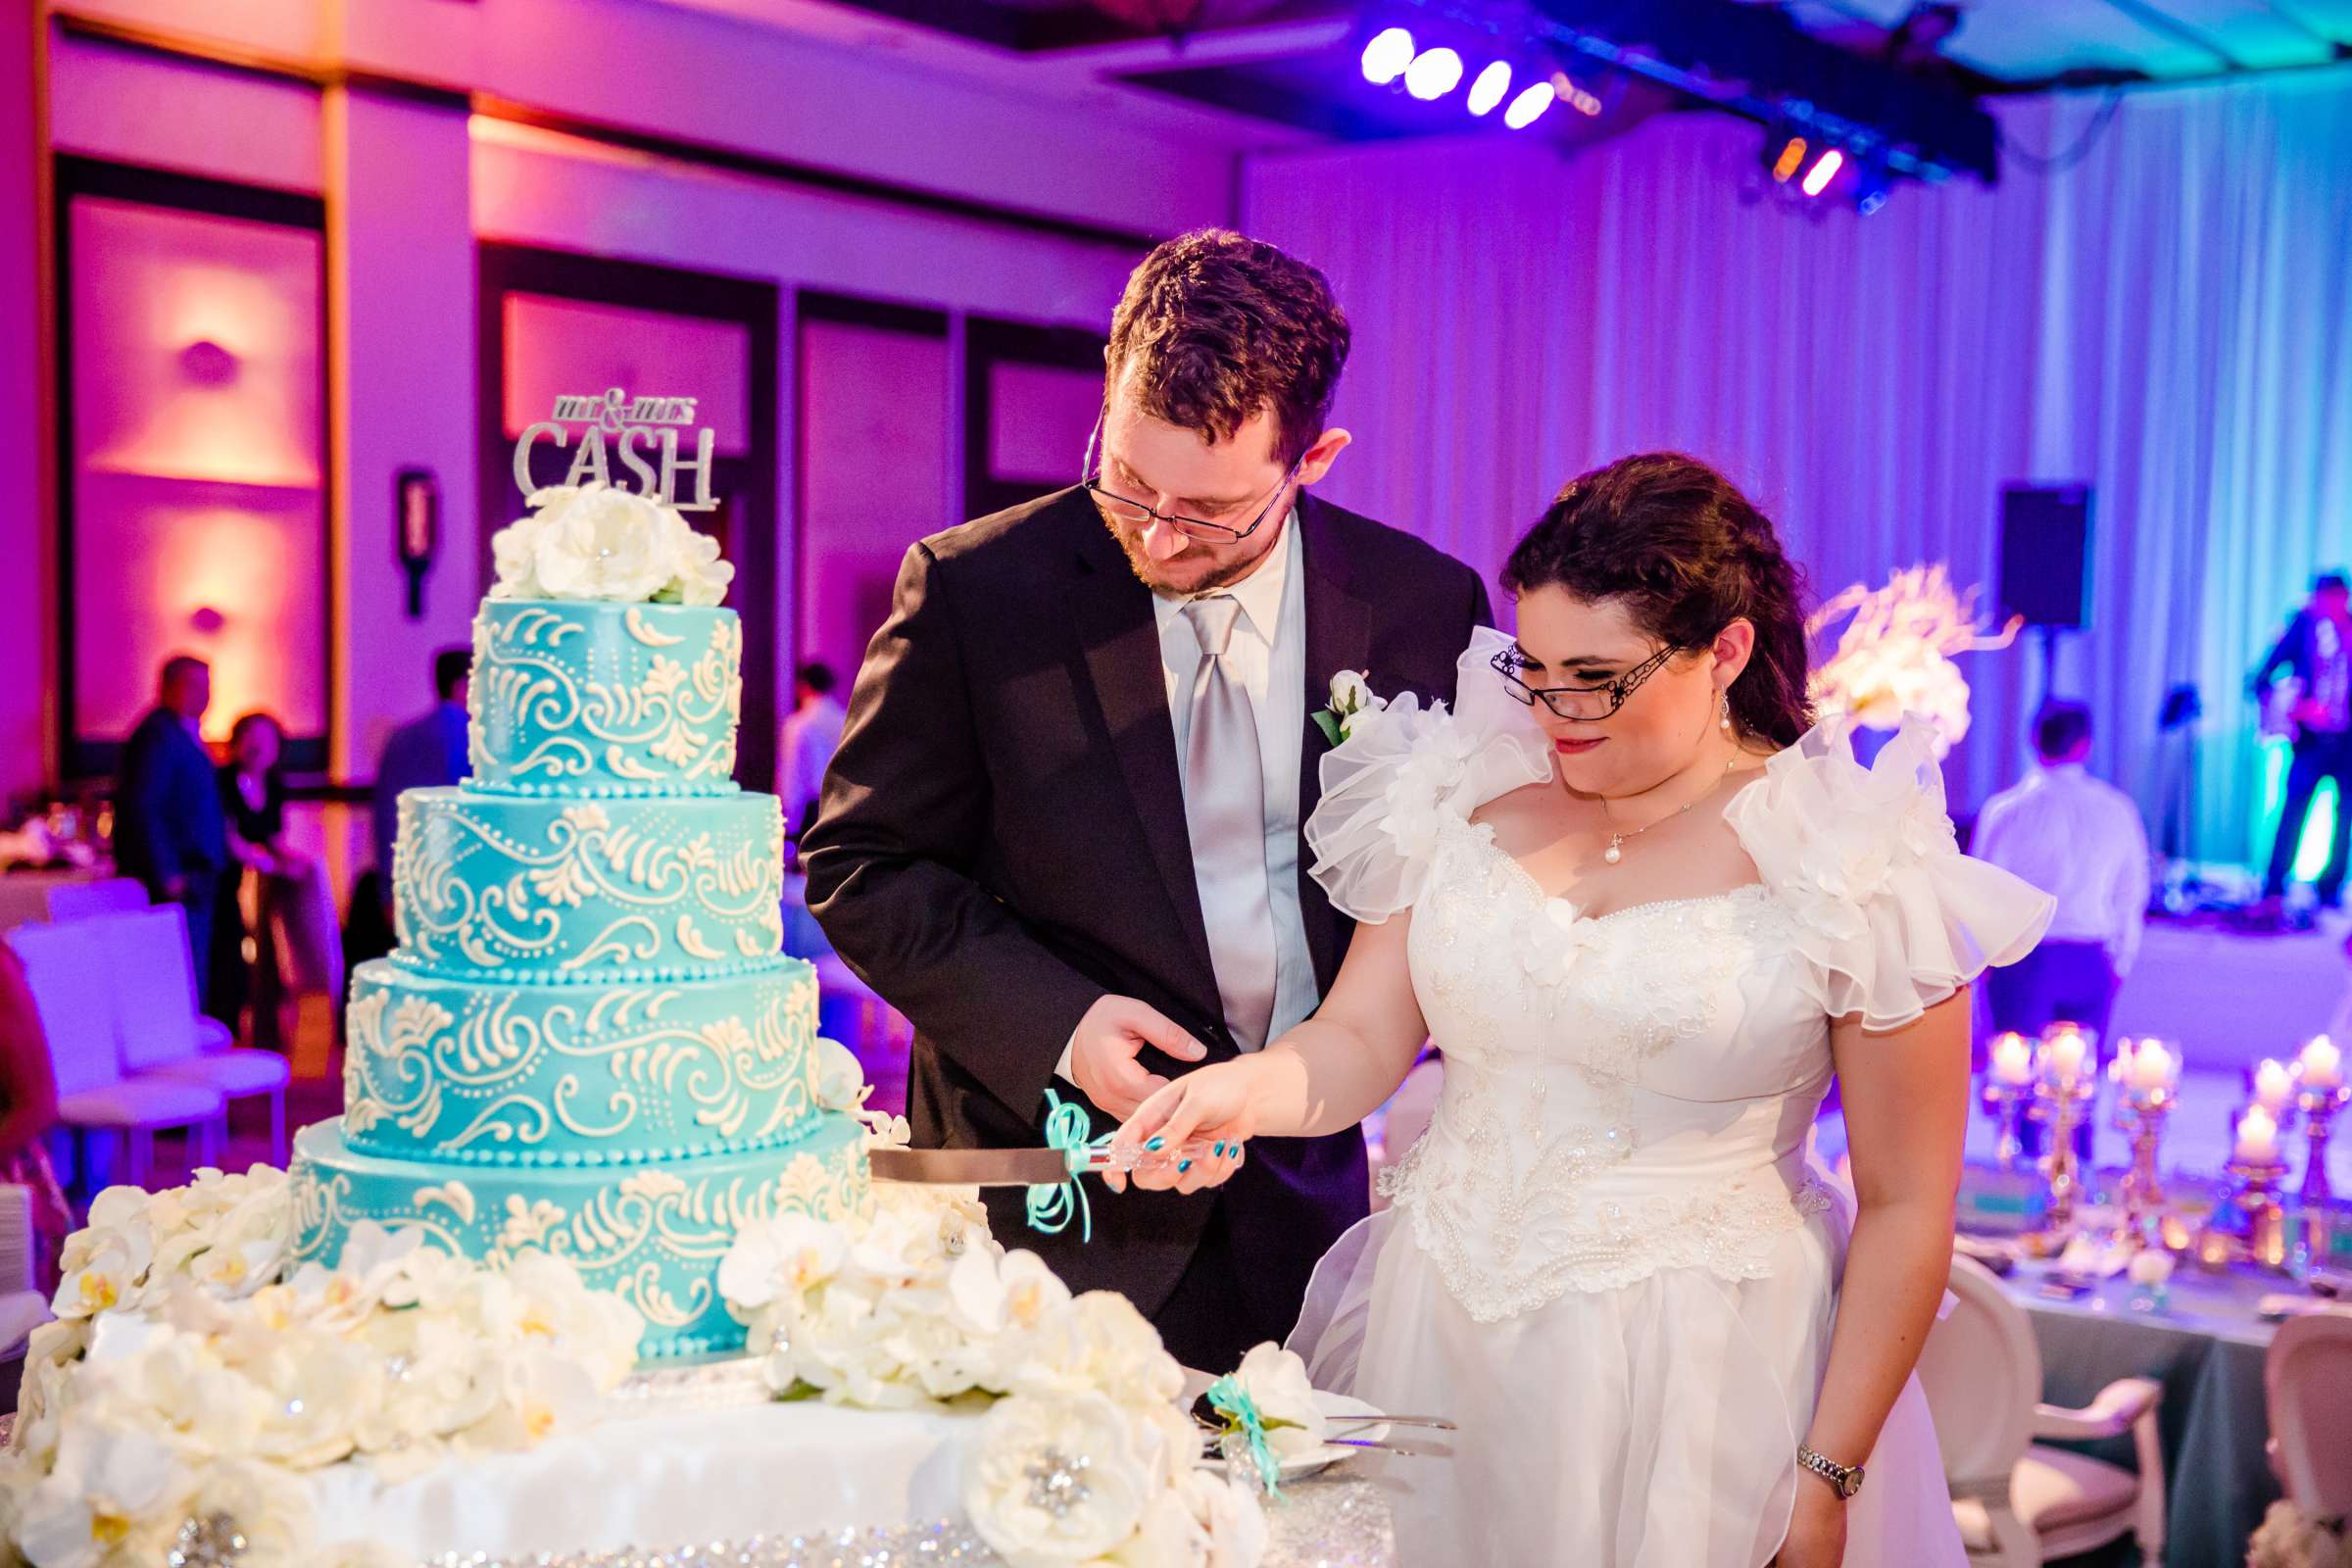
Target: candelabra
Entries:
(2319, 1107)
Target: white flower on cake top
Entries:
(595, 542)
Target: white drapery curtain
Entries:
(2169, 320)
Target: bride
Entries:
(1645, 912)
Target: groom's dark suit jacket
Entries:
(1002, 840)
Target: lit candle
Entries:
(2274, 1086)
(2322, 1064)
(2257, 1138)
(2063, 1056)
(2012, 1062)
(2153, 1069)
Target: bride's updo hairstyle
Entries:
(1688, 554)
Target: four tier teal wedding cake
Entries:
(588, 1040)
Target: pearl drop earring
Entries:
(1724, 724)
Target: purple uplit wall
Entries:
(197, 481)
(874, 461)
(2166, 320)
(557, 347)
(28, 632)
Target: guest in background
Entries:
(428, 752)
(27, 1114)
(170, 832)
(2315, 654)
(290, 903)
(2080, 840)
(811, 735)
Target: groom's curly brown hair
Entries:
(1215, 327)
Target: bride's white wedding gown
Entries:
(1611, 1258)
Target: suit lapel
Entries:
(1119, 639)
(1339, 636)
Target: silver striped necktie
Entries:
(1225, 814)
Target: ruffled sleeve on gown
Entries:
(1892, 917)
(1404, 769)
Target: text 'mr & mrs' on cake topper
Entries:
(633, 423)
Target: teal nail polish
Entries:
(1220, 1150)
(1155, 1145)
(1183, 1166)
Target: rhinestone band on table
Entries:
(1339, 1523)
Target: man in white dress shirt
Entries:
(811, 735)
(2080, 840)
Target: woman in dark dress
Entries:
(253, 800)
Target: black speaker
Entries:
(2045, 554)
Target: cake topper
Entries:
(632, 423)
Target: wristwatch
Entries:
(1847, 1478)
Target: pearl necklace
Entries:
(1616, 849)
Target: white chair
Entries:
(2016, 1502)
(79, 900)
(67, 970)
(2307, 1378)
(23, 1307)
(158, 1029)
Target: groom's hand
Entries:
(1102, 1053)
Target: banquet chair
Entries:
(2019, 1503)
(22, 1306)
(159, 1031)
(68, 970)
(2307, 1379)
(79, 900)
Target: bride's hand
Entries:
(1816, 1529)
(1189, 1133)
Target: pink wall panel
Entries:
(137, 107)
(557, 347)
(408, 401)
(1039, 418)
(874, 458)
(198, 499)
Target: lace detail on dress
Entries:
(1529, 1182)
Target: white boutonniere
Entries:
(1350, 697)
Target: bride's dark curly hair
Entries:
(1688, 555)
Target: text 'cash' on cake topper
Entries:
(642, 432)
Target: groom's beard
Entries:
(1183, 574)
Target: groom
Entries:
(1063, 831)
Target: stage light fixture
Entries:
(1792, 158)
(1388, 55)
(1432, 74)
(1488, 89)
(1529, 106)
(1825, 168)
(1872, 187)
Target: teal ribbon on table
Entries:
(1231, 1401)
(1050, 1207)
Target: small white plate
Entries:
(1336, 1408)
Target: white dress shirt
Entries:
(811, 735)
(2081, 841)
(1268, 653)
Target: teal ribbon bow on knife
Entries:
(1068, 1131)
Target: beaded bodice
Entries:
(1634, 1091)
(1622, 1094)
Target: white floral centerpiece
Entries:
(1896, 654)
(593, 541)
(190, 1381)
(1084, 1456)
